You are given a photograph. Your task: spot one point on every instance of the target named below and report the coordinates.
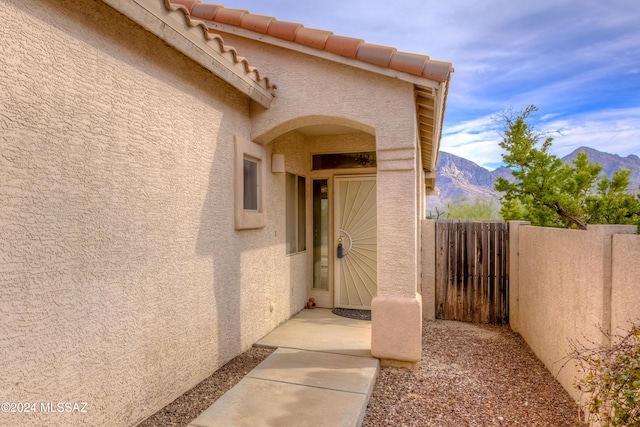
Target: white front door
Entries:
(355, 238)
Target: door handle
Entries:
(340, 255)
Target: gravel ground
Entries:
(187, 407)
(471, 375)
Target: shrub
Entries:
(612, 380)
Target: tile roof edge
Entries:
(175, 6)
(177, 28)
(421, 66)
(222, 47)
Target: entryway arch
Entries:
(334, 157)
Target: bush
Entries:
(612, 380)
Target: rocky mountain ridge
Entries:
(461, 178)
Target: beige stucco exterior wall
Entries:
(564, 288)
(625, 295)
(382, 106)
(123, 282)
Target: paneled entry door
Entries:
(355, 240)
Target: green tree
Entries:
(548, 192)
(612, 204)
(480, 209)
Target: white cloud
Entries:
(578, 60)
(614, 131)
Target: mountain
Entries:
(460, 178)
(611, 163)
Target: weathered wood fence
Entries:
(472, 282)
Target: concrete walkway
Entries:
(322, 374)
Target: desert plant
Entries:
(612, 380)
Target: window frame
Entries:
(246, 219)
(298, 243)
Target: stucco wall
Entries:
(122, 280)
(564, 287)
(428, 277)
(625, 295)
(379, 105)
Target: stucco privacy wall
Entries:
(383, 106)
(428, 279)
(563, 290)
(122, 280)
(625, 295)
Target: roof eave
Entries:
(218, 28)
(192, 38)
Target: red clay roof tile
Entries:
(259, 23)
(206, 10)
(312, 37)
(407, 62)
(344, 46)
(383, 56)
(376, 54)
(284, 30)
(187, 3)
(434, 70)
(230, 16)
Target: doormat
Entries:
(352, 313)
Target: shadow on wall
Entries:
(217, 240)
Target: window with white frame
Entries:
(296, 214)
(249, 179)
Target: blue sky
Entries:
(577, 60)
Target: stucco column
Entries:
(396, 336)
(607, 232)
(428, 260)
(514, 273)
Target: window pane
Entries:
(302, 215)
(320, 234)
(291, 214)
(363, 159)
(250, 185)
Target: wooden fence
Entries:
(472, 282)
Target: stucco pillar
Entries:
(428, 280)
(396, 336)
(607, 232)
(514, 273)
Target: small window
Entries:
(296, 214)
(250, 185)
(249, 178)
(364, 159)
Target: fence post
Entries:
(514, 273)
(428, 282)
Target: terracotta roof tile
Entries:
(230, 16)
(344, 46)
(196, 9)
(284, 30)
(383, 56)
(187, 3)
(206, 10)
(407, 62)
(258, 23)
(312, 38)
(376, 54)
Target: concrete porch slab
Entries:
(321, 375)
(257, 403)
(321, 330)
(352, 374)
